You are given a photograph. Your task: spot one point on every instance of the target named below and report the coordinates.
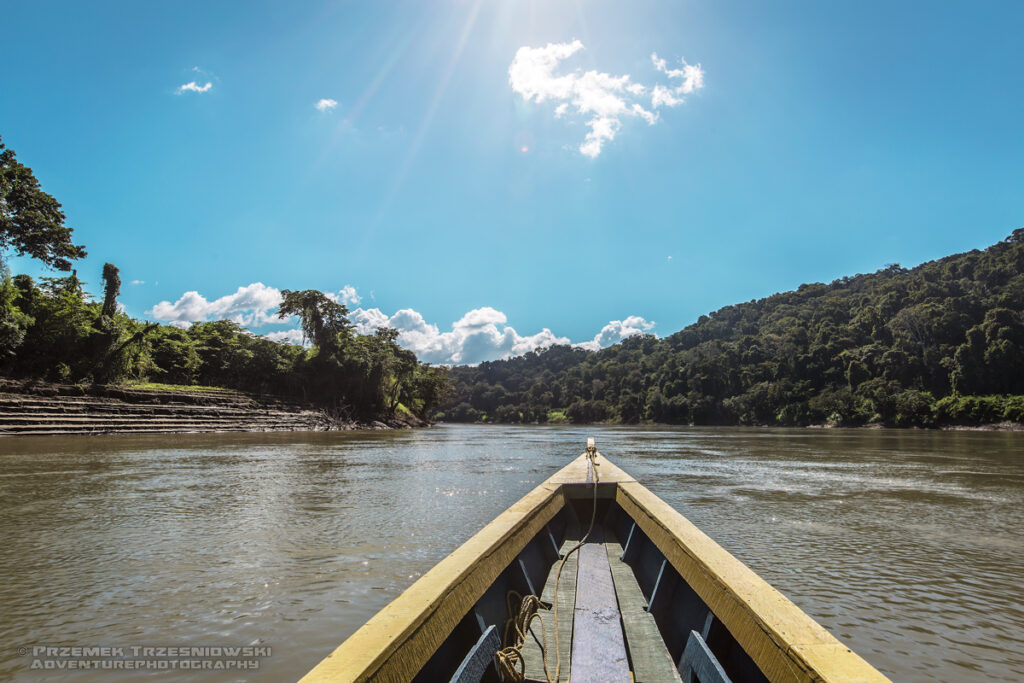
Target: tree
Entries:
(222, 352)
(109, 330)
(430, 387)
(322, 319)
(111, 289)
(398, 367)
(57, 343)
(31, 221)
(13, 321)
(174, 354)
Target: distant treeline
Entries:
(52, 330)
(941, 343)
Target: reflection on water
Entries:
(906, 545)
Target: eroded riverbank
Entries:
(44, 409)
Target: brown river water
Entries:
(907, 545)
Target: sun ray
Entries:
(424, 126)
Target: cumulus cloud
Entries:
(482, 334)
(288, 336)
(617, 330)
(192, 86)
(326, 104)
(347, 295)
(253, 305)
(602, 99)
(366, 321)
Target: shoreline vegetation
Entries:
(53, 331)
(983, 427)
(940, 345)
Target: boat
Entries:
(590, 577)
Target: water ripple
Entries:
(906, 545)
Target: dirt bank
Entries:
(50, 409)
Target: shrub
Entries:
(914, 408)
(979, 409)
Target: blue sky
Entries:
(821, 140)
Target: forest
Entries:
(942, 343)
(52, 330)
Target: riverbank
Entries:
(984, 427)
(39, 408)
(994, 427)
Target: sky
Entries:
(492, 176)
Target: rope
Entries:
(510, 658)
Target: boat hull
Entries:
(687, 581)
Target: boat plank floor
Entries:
(533, 656)
(650, 658)
(598, 647)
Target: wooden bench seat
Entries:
(598, 646)
(648, 655)
(587, 629)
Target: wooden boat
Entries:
(645, 597)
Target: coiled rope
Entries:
(510, 658)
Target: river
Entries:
(906, 545)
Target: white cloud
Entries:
(617, 330)
(664, 97)
(288, 336)
(367, 321)
(137, 282)
(326, 104)
(602, 99)
(480, 335)
(484, 334)
(192, 86)
(482, 317)
(253, 305)
(348, 295)
(692, 75)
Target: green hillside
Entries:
(940, 343)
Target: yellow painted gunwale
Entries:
(396, 642)
(784, 642)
